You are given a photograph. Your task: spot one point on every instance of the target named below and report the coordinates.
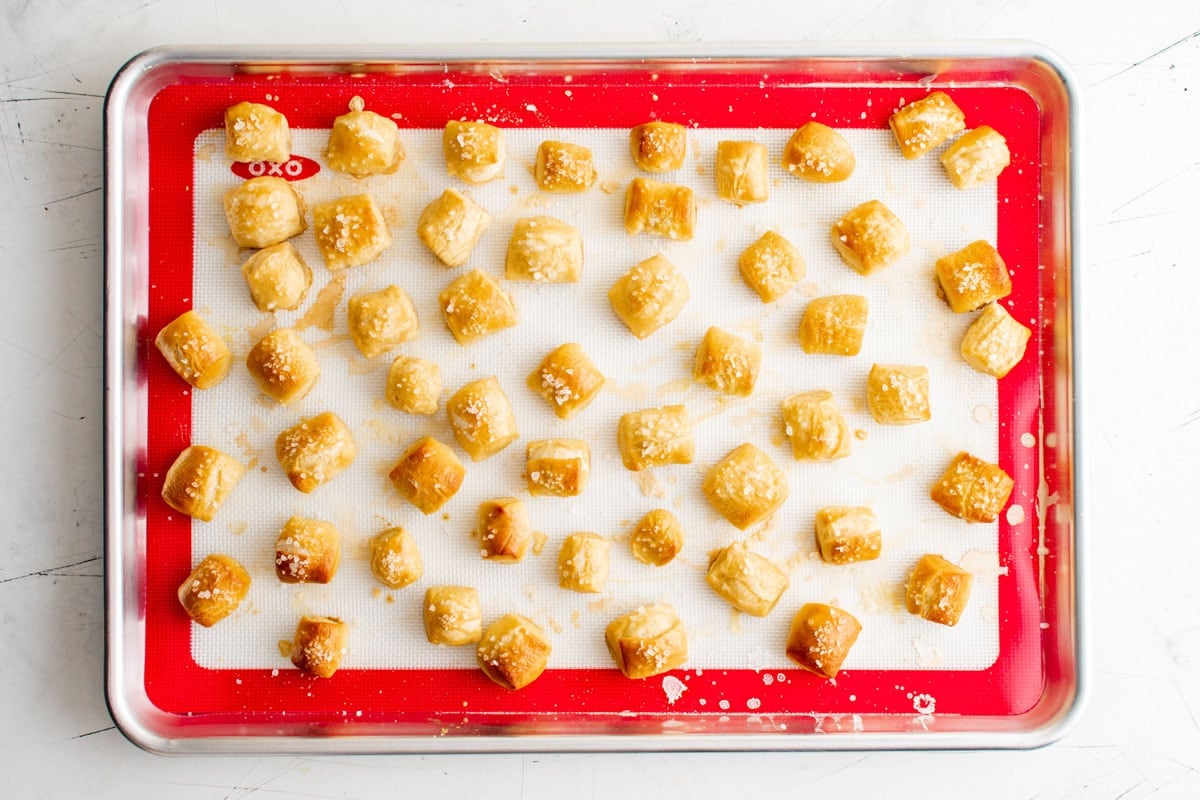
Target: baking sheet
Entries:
(174, 687)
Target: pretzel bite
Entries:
(656, 437)
(395, 559)
(482, 418)
(747, 581)
(474, 306)
(869, 237)
(924, 124)
(649, 296)
(771, 266)
(307, 551)
(819, 154)
(452, 615)
(451, 225)
(937, 590)
(319, 645)
(972, 489)
(263, 211)
(583, 563)
(199, 480)
(379, 321)
(278, 278)
(214, 589)
(314, 450)
(194, 350)
(283, 366)
(567, 380)
(647, 641)
(660, 209)
(658, 146)
(350, 231)
(256, 132)
(475, 151)
(821, 637)
(364, 143)
(564, 167)
(503, 530)
(745, 486)
(513, 652)
(428, 474)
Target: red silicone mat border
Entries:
(268, 700)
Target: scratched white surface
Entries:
(1139, 737)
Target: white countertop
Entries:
(1139, 66)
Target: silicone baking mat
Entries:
(990, 664)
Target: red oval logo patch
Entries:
(296, 168)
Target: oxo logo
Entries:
(296, 168)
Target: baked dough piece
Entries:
(583, 563)
(834, 325)
(977, 157)
(395, 559)
(898, 394)
(194, 350)
(564, 167)
(364, 143)
(727, 363)
(199, 481)
(657, 538)
(819, 154)
(745, 486)
(503, 529)
(263, 211)
(937, 590)
(256, 132)
(428, 474)
(647, 641)
(846, 534)
(451, 225)
(995, 342)
(771, 266)
(545, 250)
(474, 151)
(972, 277)
(482, 418)
(747, 581)
(307, 551)
(513, 652)
(923, 125)
(474, 306)
(815, 427)
(319, 644)
(567, 380)
(277, 277)
(972, 489)
(214, 589)
(741, 172)
(452, 615)
(661, 209)
(378, 321)
(658, 146)
(350, 231)
(870, 237)
(314, 450)
(283, 365)
(821, 637)
(414, 385)
(649, 296)
(655, 437)
(557, 467)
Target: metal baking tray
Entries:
(1019, 679)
